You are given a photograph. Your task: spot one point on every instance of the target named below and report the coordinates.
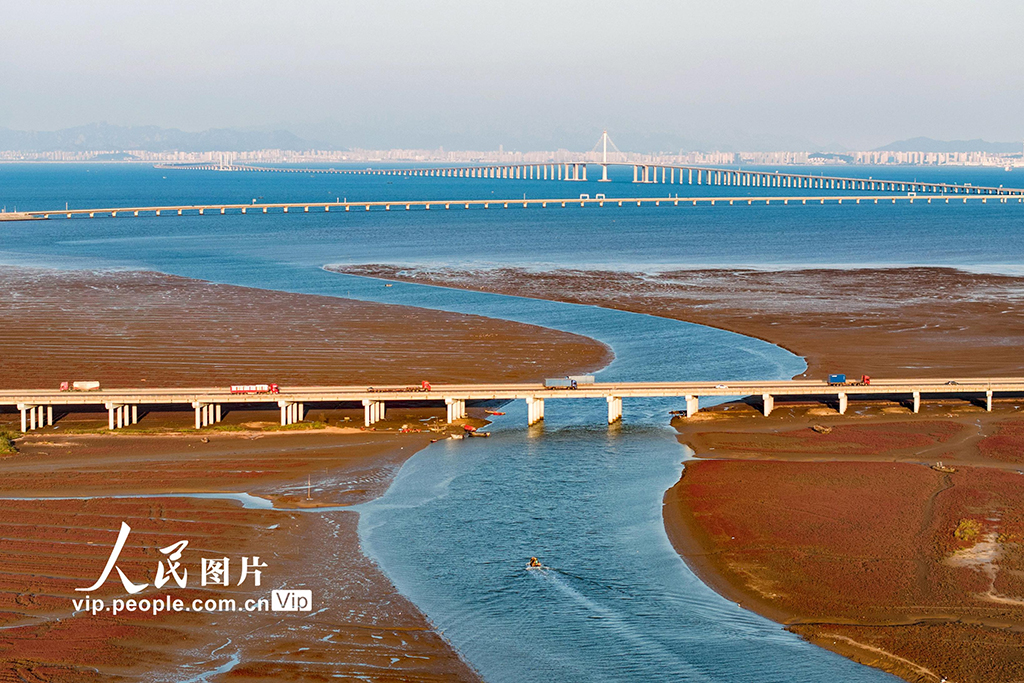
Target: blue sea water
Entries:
(455, 529)
(975, 235)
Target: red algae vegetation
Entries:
(852, 536)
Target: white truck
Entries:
(79, 386)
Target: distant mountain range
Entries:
(113, 138)
(930, 145)
(104, 136)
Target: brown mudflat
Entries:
(845, 529)
(129, 329)
(361, 627)
(888, 322)
(147, 329)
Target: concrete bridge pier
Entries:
(917, 402)
(843, 402)
(206, 414)
(456, 409)
(121, 415)
(29, 415)
(290, 412)
(767, 404)
(692, 405)
(373, 411)
(604, 174)
(614, 409)
(534, 410)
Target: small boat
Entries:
(939, 467)
(478, 434)
(534, 563)
(494, 412)
(457, 436)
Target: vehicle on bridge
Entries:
(568, 382)
(424, 386)
(79, 386)
(840, 380)
(255, 389)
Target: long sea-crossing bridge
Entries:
(779, 187)
(648, 173)
(123, 406)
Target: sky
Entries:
(457, 74)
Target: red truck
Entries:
(255, 389)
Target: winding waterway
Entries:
(455, 529)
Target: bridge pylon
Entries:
(603, 143)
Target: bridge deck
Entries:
(480, 392)
(643, 172)
(428, 204)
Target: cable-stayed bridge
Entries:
(646, 173)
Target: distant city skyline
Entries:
(740, 75)
(163, 144)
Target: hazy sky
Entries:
(529, 75)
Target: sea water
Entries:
(455, 529)
(973, 235)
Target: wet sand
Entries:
(128, 328)
(895, 322)
(848, 537)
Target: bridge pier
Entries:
(208, 413)
(32, 416)
(692, 405)
(917, 401)
(767, 404)
(119, 415)
(988, 400)
(534, 410)
(614, 409)
(843, 402)
(373, 411)
(456, 409)
(291, 412)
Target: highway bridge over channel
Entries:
(123, 406)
